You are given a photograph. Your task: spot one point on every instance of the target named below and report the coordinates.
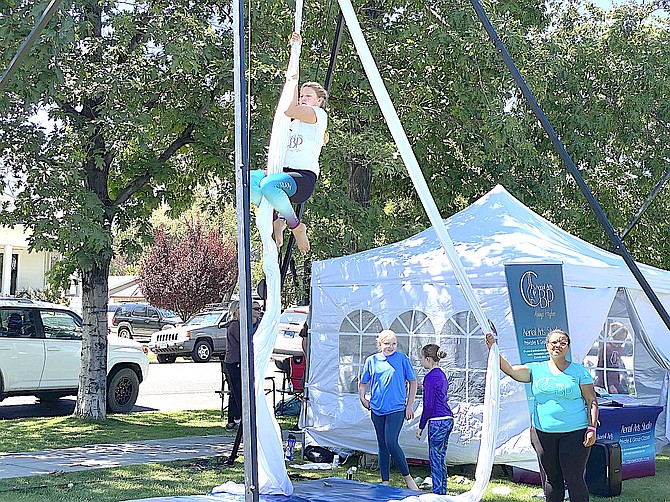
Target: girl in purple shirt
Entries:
(437, 414)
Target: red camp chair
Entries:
(293, 382)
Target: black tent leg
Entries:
(230, 460)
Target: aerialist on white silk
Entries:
(301, 162)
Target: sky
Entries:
(606, 4)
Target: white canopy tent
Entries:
(409, 287)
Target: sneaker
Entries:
(426, 484)
(231, 425)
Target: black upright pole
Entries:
(327, 83)
(617, 245)
(646, 203)
(334, 49)
(243, 259)
(22, 53)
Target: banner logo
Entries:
(536, 295)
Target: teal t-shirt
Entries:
(559, 405)
(387, 377)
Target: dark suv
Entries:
(140, 320)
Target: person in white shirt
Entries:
(301, 162)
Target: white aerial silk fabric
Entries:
(492, 392)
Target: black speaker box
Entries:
(603, 470)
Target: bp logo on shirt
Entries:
(550, 385)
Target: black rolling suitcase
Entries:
(603, 470)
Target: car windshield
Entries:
(168, 313)
(204, 318)
(293, 317)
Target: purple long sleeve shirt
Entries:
(435, 397)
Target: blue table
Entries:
(633, 426)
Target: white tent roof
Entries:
(496, 230)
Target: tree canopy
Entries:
(138, 97)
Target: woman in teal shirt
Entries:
(564, 419)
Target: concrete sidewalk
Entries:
(37, 463)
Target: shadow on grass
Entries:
(32, 434)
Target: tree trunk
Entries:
(360, 181)
(92, 395)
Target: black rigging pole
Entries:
(646, 204)
(27, 44)
(251, 493)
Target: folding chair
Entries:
(293, 381)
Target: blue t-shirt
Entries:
(387, 377)
(559, 405)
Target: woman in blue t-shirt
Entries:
(564, 419)
(387, 373)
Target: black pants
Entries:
(234, 376)
(562, 458)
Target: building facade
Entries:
(21, 268)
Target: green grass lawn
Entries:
(200, 476)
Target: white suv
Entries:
(40, 355)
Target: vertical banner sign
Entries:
(537, 296)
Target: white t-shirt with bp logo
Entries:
(305, 142)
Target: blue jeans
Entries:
(438, 439)
(388, 428)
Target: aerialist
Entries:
(301, 162)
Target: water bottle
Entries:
(290, 444)
(336, 461)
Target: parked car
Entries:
(201, 337)
(139, 321)
(111, 308)
(291, 323)
(40, 355)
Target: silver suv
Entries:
(201, 337)
(40, 355)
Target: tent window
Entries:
(465, 364)
(358, 340)
(611, 357)
(414, 329)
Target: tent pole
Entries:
(243, 254)
(617, 245)
(327, 83)
(22, 53)
(646, 204)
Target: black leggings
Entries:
(234, 375)
(562, 458)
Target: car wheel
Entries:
(49, 397)
(125, 333)
(122, 390)
(166, 358)
(202, 352)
